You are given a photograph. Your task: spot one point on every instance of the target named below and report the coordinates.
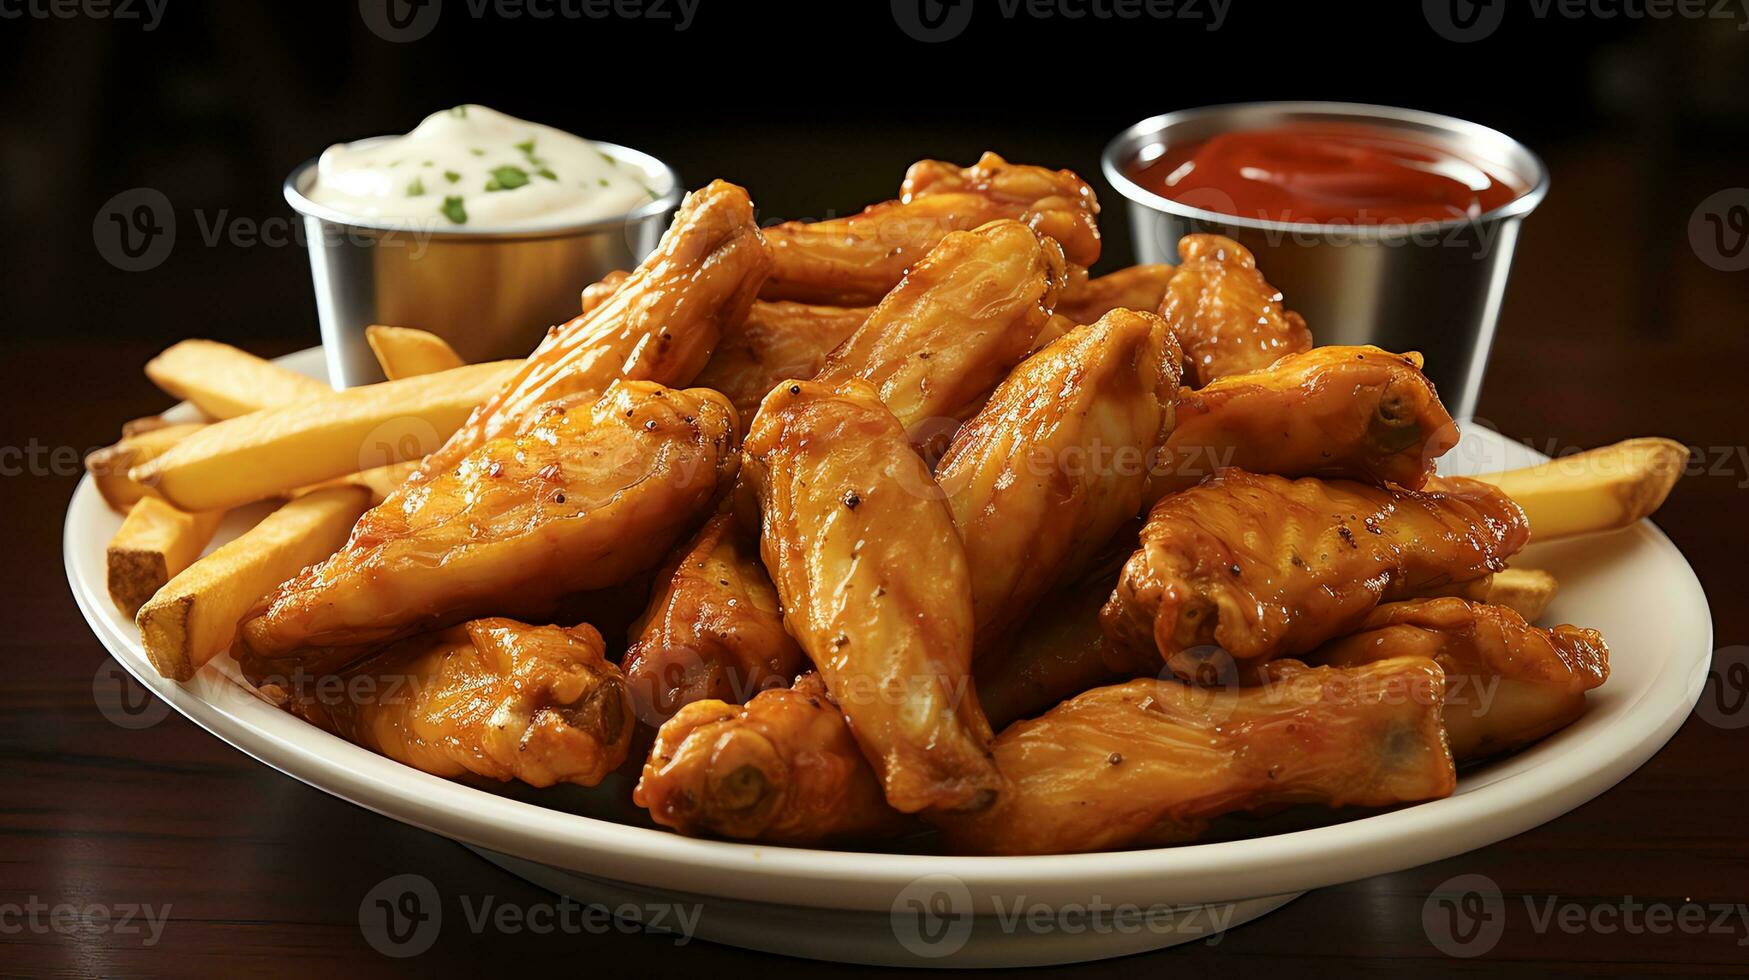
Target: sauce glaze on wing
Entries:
(1508, 683)
(1360, 413)
(1056, 461)
(1262, 566)
(1228, 318)
(783, 768)
(491, 697)
(854, 261)
(1151, 762)
(874, 586)
(590, 495)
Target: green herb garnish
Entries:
(460, 111)
(547, 173)
(451, 176)
(453, 210)
(416, 188)
(603, 181)
(507, 178)
(527, 147)
(476, 151)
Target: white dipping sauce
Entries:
(473, 167)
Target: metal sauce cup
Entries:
(1434, 287)
(491, 293)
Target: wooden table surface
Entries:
(258, 872)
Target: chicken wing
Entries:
(784, 768)
(1228, 319)
(1042, 477)
(660, 324)
(491, 697)
(962, 318)
(857, 260)
(778, 341)
(713, 631)
(586, 498)
(1139, 287)
(1056, 654)
(874, 586)
(1355, 412)
(1507, 683)
(1264, 567)
(1151, 762)
(598, 292)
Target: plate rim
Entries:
(869, 880)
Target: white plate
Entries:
(1633, 585)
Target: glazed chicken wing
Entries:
(874, 586)
(784, 768)
(778, 341)
(1508, 683)
(713, 630)
(1355, 412)
(491, 697)
(1151, 762)
(962, 318)
(1264, 567)
(1139, 287)
(587, 497)
(1058, 652)
(660, 324)
(1055, 462)
(1228, 318)
(855, 261)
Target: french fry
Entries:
(1598, 490)
(404, 352)
(276, 451)
(195, 616)
(1528, 591)
(155, 543)
(225, 382)
(379, 480)
(109, 466)
(143, 424)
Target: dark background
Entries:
(1614, 326)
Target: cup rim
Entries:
(1124, 145)
(303, 205)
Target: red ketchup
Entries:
(1325, 174)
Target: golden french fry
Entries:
(1528, 591)
(404, 352)
(155, 543)
(379, 480)
(278, 450)
(1597, 490)
(109, 466)
(195, 616)
(225, 382)
(143, 424)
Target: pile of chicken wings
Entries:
(933, 534)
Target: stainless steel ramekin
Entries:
(490, 292)
(1435, 287)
